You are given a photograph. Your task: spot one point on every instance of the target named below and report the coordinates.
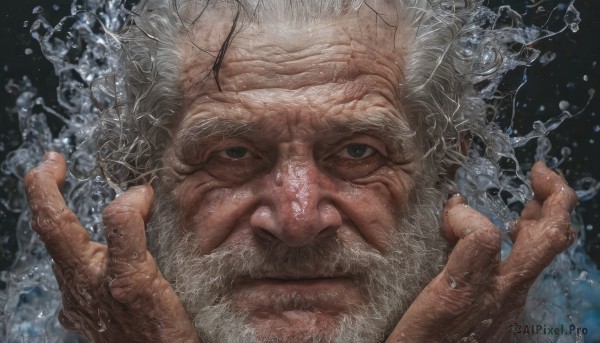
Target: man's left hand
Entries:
(477, 296)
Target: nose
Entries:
(296, 209)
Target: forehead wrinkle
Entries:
(280, 57)
(233, 114)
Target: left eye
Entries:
(356, 151)
(235, 153)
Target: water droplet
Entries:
(26, 23)
(542, 108)
(589, 227)
(28, 51)
(452, 282)
(585, 77)
(102, 326)
(596, 128)
(55, 7)
(547, 57)
(572, 18)
(563, 105)
(38, 10)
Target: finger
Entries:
(447, 230)
(530, 214)
(552, 190)
(58, 227)
(518, 227)
(545, 182)
(539, 241)
(532, 210)
(463, 279)
(124, 225)
(477, 250)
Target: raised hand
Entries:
(112, 293)
(476, 296)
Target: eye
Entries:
(356, 151)
(236, 164)
(235, 153)
(356, 159)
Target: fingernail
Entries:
(50, 156)
(458, 196)
(452, 195)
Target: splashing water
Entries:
(567, 293)
(80, 53)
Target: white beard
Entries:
(389, 281)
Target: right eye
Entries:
(236, 164)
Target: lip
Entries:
(270, 295)
(307, 285)
(303, 281)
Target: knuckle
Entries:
(47, 218)
(559, 236)
(118, 215)
(34, 175)
(453, 299)
(489, 237)
(528, 273)
(130, 288)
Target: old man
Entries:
(297, 155)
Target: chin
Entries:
(296, 327)
(296, 310)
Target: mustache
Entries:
(323, 259)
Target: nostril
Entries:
(328, 232)
(263, 223)
(264, 235)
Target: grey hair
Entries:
(438, 89)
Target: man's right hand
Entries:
(112, 293)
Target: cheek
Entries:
(212, 210)
(374, 206)
(220, 213)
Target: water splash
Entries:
(567, 293)
(572, 18)
(81, 52)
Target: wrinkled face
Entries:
(305, 152)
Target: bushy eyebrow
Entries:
(215, 127)
(381, 124)
(210, 129)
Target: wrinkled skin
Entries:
(117, 286)
(302, 173)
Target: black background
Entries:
(578, 54)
